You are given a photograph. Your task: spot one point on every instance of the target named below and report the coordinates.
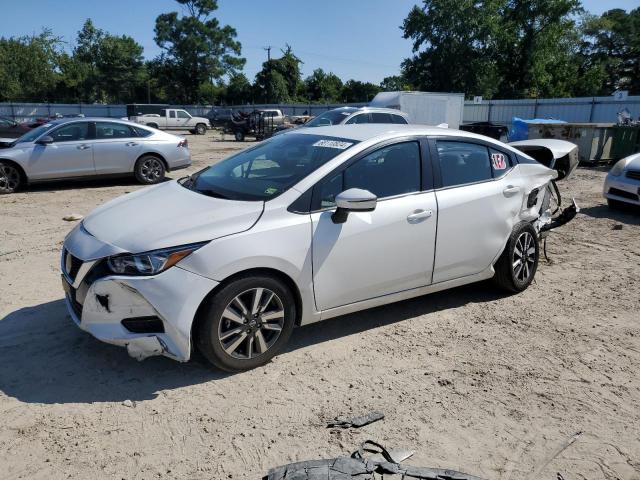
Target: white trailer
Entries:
(424, 108)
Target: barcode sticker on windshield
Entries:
(332, 144)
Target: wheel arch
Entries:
(153, 154)
(13, 163)
(279, 274)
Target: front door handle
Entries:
(83, 147)
(131, 144)
(419, 215)
(510, 191)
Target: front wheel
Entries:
(10, 178)
(239, 134)
(149, 170)
(201, 129)
(517, 265)
(246, 323)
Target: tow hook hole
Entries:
(103, 300)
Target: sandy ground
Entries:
(470, 379)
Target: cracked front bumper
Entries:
(99, 301)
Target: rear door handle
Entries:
(419, 215)
(131, 144)
(510, 191)
(83, 147)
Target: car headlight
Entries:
(150, 263)
(618, 168)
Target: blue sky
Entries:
(357, 39)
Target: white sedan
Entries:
(301, 228)
(622, 185)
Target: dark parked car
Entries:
(11, 129)
(219, 117)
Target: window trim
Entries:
(426, 172)
(435, 159)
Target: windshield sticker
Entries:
(271, 191)
(332, 144)
(499, 161)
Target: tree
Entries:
(197, 50)
(279, 80)
(238, 91)
(323, 87)
(395, 83)
(356, 91)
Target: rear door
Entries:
(479, 197)
(116, 148)
(384, 251)
(70, 154)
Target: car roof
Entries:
(369, 131)
(61, 121)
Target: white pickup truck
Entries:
(173, 119)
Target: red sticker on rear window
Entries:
(499, 161)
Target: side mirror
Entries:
(46, 140)
(353, 200)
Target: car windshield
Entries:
(33, 134)
(268, 169)
(332, 117)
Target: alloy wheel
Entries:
(524, 256)
(9, 178)
(151, 170)
(251, 323)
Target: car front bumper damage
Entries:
(103, 304)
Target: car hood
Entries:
(168, 215)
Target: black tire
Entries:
(149, 170)
(201, 129)
(515, 272)
(152, 125)
(241, 349)
(239, 134)
(10, 178)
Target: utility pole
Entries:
(268, 50)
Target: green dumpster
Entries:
(626, 141)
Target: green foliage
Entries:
(356, 91)
(238, 90)
(323, 87)
(197, 50)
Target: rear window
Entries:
(399, 119)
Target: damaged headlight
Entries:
(150, 263)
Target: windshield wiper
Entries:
(213, 193)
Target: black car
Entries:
(219, 117)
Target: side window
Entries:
(72, 132)
(500, 163)
(462, 162)
(183, 114)
(362, 118)
(172, 114)
(381, 118)
(399, 119)
(390, 171)
(110, 131)
(142, 132)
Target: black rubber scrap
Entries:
(356, 422)
(357, 467)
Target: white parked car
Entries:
(173, 119)
(622, 185)
(300, 228)
(73, 148)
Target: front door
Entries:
(70, 154)
(376, 253)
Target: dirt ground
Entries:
(470, 379)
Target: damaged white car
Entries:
(300, 228)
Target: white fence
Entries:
(587, 109)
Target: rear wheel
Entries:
(149, 170)
(10, 178)
(152, 125)
(239, 134)
(246, 323)
(516, 267)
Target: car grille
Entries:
(621, 193)
(71, 265)
(635, 174)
